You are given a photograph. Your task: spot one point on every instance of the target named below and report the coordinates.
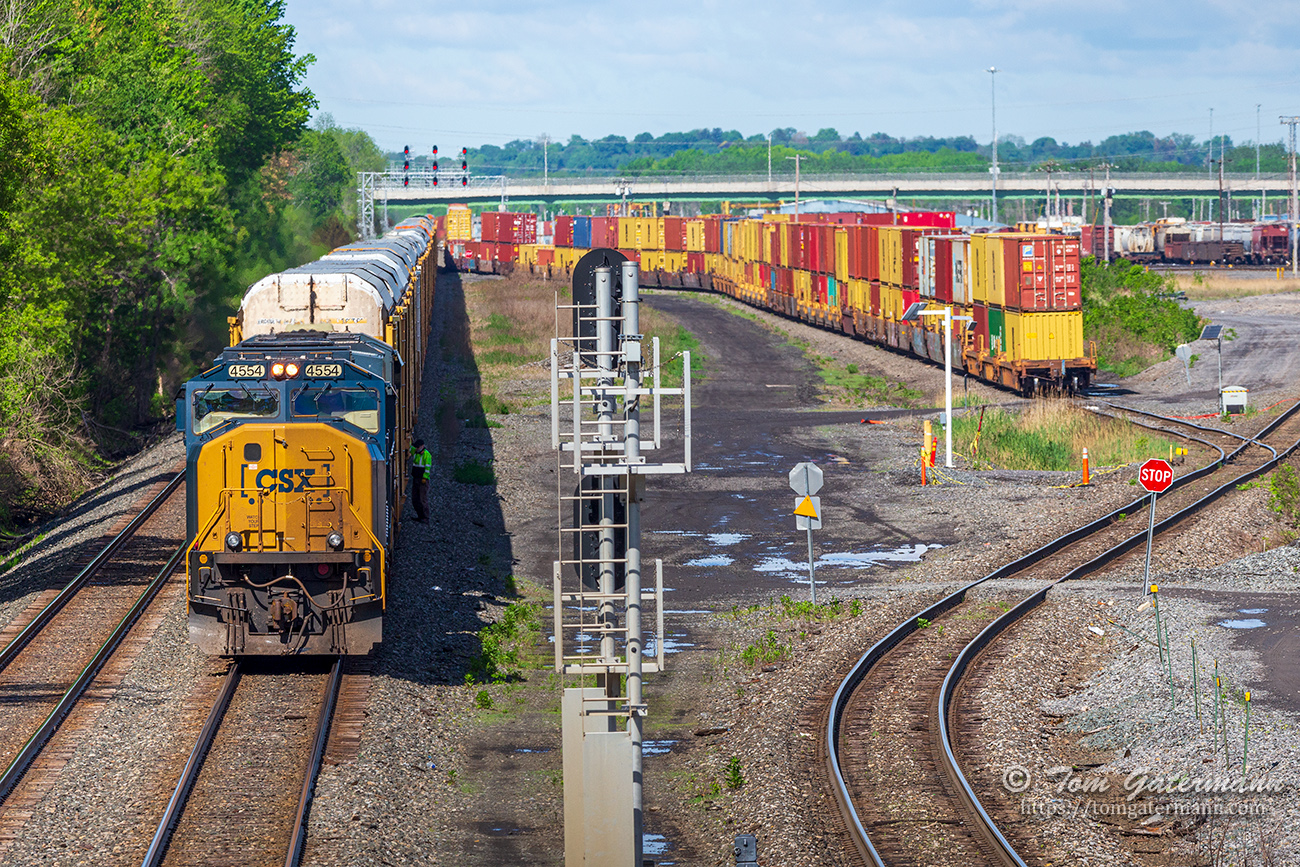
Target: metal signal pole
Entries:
(1295, 198)
(796, 158)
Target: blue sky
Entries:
(488, 72)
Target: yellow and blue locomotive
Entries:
(296, 442)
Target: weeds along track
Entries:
(244, 795)
(54, 650)
(890, 756)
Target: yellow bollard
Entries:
(1085, 465)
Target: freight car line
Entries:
(965, 816)
(54, 646)
(215, 816)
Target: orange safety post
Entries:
(1085, 465)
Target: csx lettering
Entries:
(284, 482)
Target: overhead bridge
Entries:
(419, 187)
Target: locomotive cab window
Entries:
(214, 406)
(356, 406)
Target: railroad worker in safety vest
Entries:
(421, 466)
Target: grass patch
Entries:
(475, 472)
(1051, 435)
(1202, 286)
(846, 383)
(767, 649)
(505, 645)
(674, 338)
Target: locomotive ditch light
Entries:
(234, 541)
(277, 370)
(291, 369)
(334, 540)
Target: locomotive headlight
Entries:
(291, 369)
(234, 541)
(277, 370)
(334, 540)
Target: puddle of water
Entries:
(785, 566)
(722, 540)
(688, 611)
(526, 750)
(656, 748)
(1252, 610)
(673, 533)
(1251, 623)
(671, 645)
(713, 560)
(654, 844)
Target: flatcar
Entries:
(296, 440)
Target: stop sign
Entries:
(1156, 475)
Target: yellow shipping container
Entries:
(986, 269)
(891, 254)
(695, 236)
(674, 261)
(891, 302)
(1045, 335)
(640, 233)
(841, 255)
(527, 254)
(460, 223)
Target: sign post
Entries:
(1155, 476)
(806, 480)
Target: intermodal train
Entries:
(1179, 241)
(296, 440)
(1015, 298)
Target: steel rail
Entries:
(46, 614)
(1187, 423)
(18, 767)
(299, 838)
(877, 651)
(190, 773)
(961, 664)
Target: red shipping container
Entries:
(545, 256)
(675, 233)
(564, 231)
(943, 270)
(488, 227)
(1041, 272)
(981, 314)
(695, 263)
(875, 299)
(713, 235)
(604, 232)
(910, 297)
(632, 255)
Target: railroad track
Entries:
(890, 754)
(48, 664)
(245, 793)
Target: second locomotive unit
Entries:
(296, 440)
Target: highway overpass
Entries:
(758, 188)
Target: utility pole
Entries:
(546, 162)
(993, 102)
(769, 159)
(1295, 198)
(796, 158)
(1106, 214)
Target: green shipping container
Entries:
(997, 331)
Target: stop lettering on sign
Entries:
(1156, 475)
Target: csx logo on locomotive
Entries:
(270, 480)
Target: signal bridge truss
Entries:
(417, 184)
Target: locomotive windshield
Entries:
(213, 406)
(358, 406)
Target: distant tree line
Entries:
(155, 160)
(710, 151)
